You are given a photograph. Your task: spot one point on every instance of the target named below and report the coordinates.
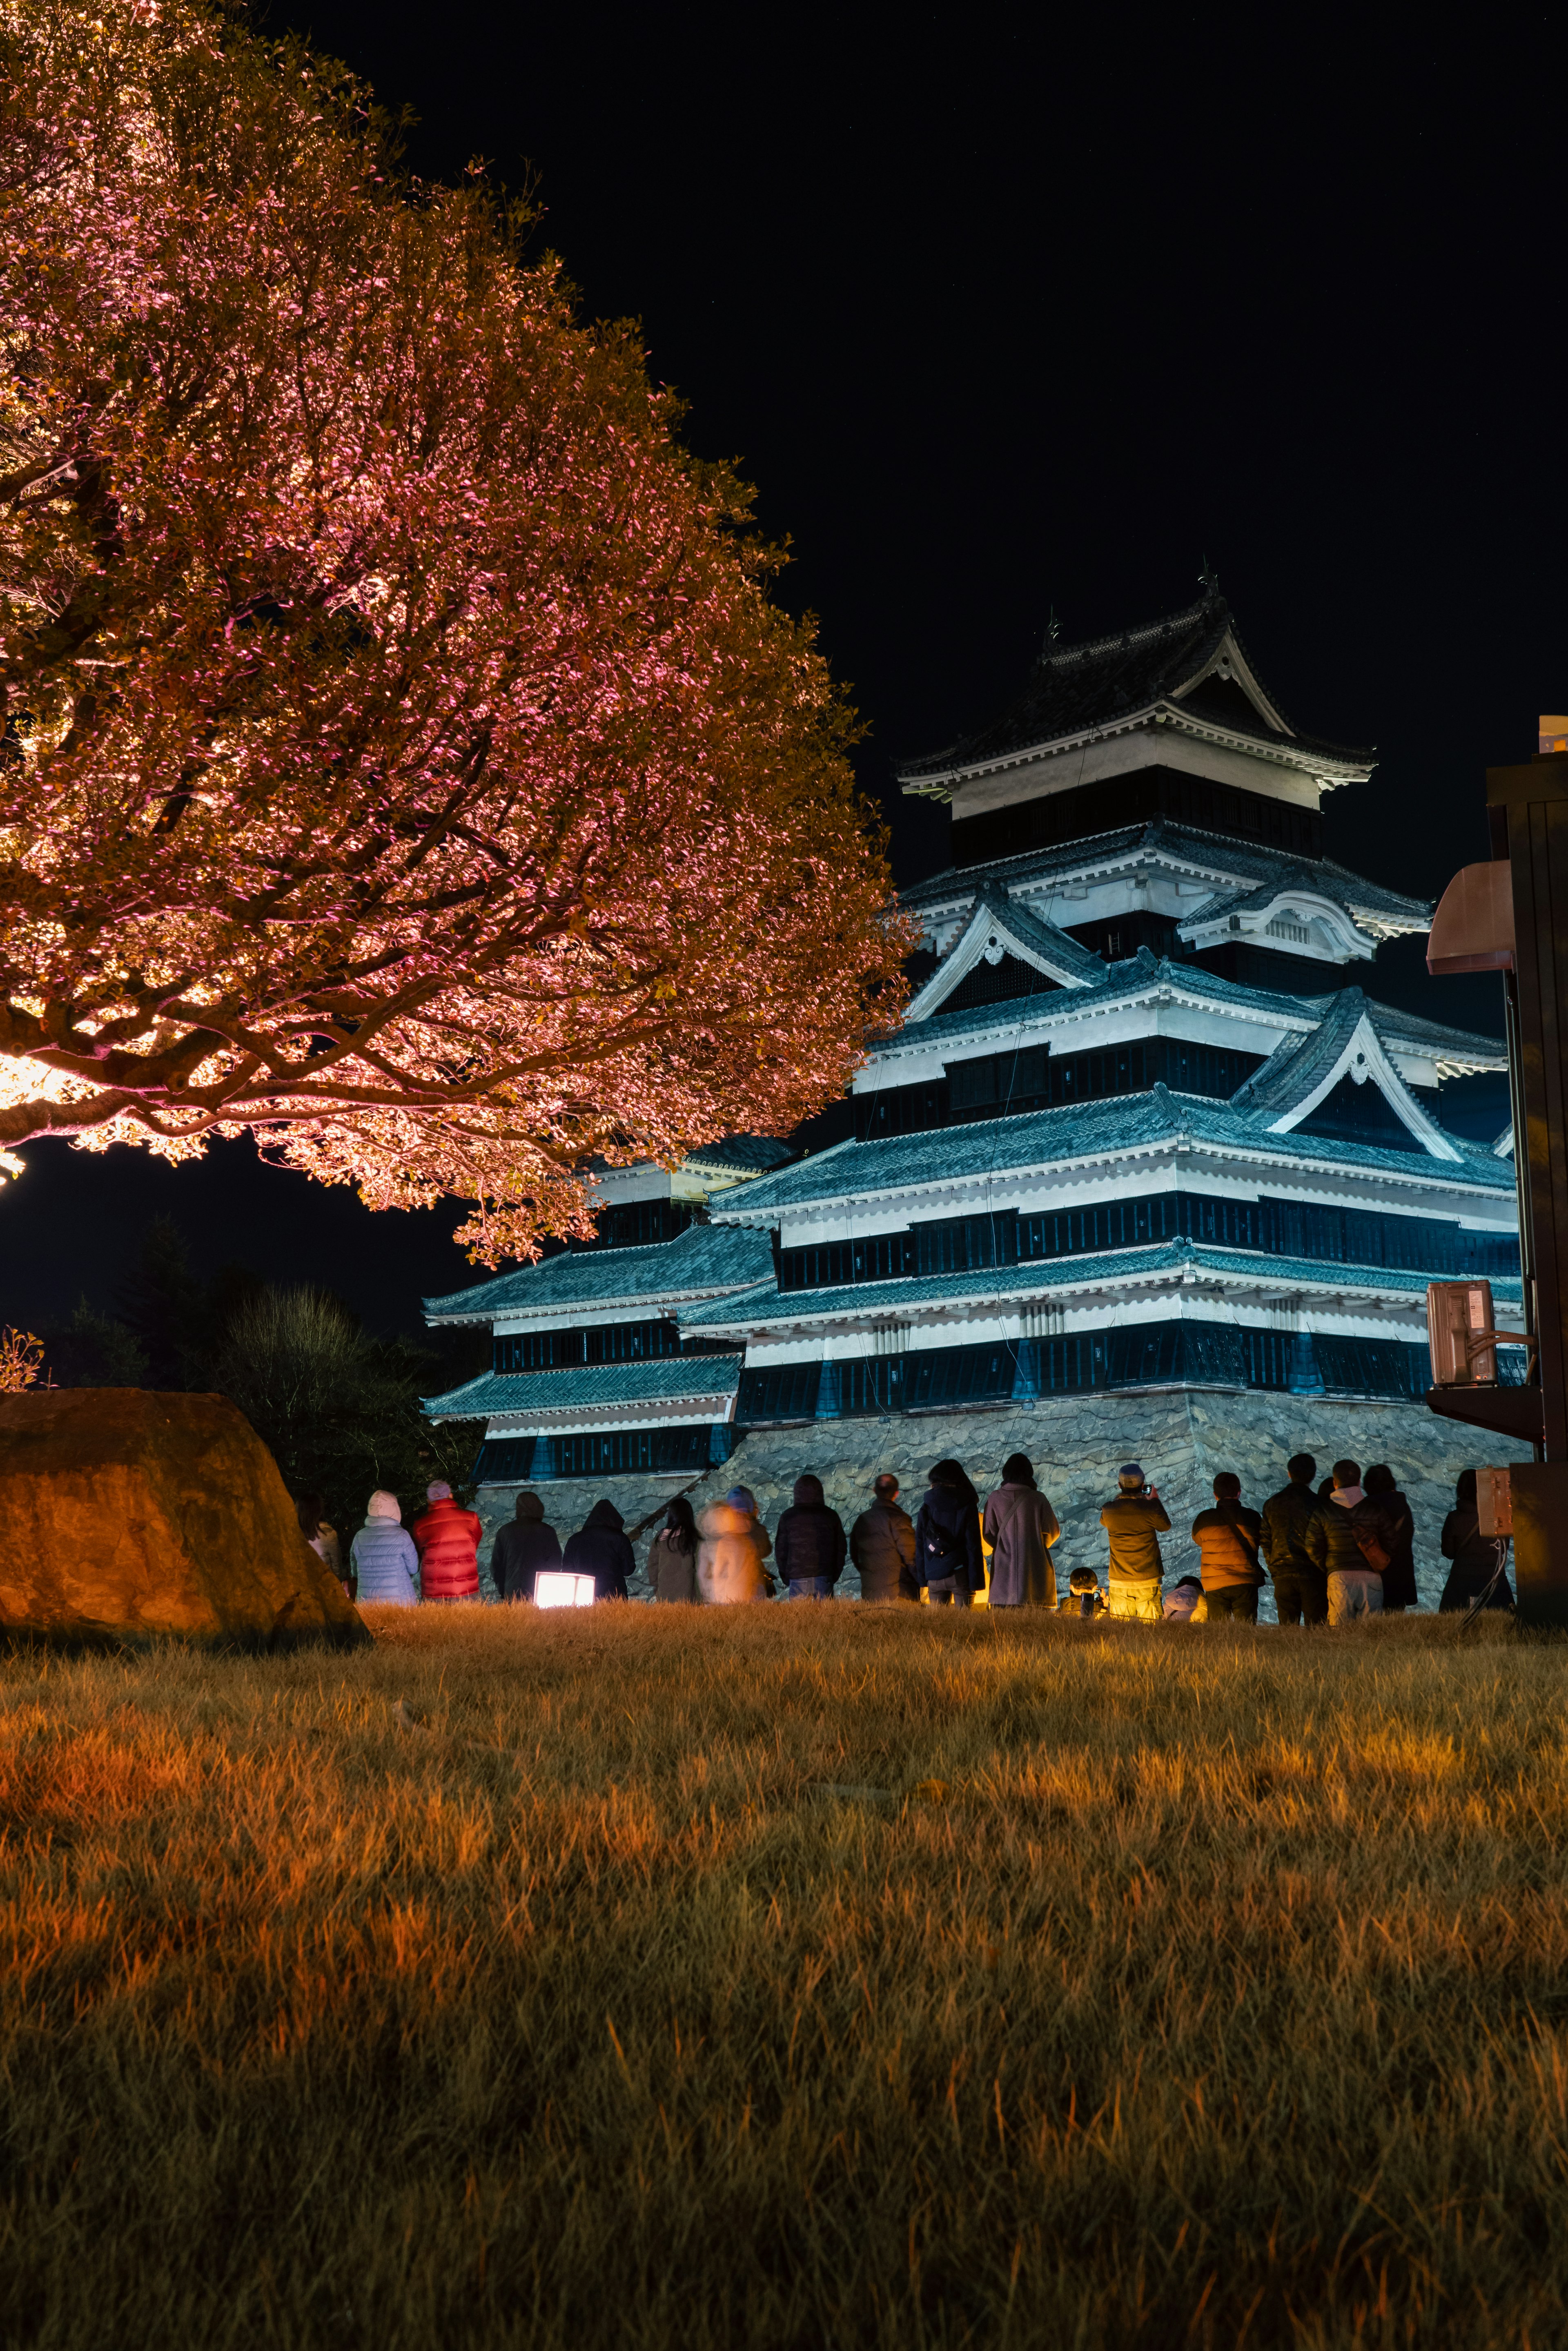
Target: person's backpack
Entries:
(1372, 1549)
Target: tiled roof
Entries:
(764, 1151)
(1399, 1028)
(1075, 688)
(1046, 939)
(1248, 863)
(667, 1379)
(1140, 974)
(752, 1309)
(1297, 1062)
(704, 1258)
(1005, 1147)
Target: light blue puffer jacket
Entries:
(386, 1562)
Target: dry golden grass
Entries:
(788, 1977)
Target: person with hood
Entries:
(1134, 1521)
(382, 1556)
(1228, 1541)
(673, 1554)
(881, 1545)
(809, 1543)
(1020, 1526)
(1300, 1590)
(525, 1544)
(599, 1547)
(447, 1539)
(1474, 1557)
(1351, 1541)
(734, 1544)
(1399, 1591)
(948, 1560)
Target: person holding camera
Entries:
(1134, 1521)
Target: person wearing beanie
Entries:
(521, 1548)
(447, 1537)
(881, 1545)
(1020, 1526)
(1134, 1521)
(383, 1558)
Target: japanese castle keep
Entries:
(1148, 1171)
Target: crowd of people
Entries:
(1335, 1551)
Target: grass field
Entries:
(788, 1977)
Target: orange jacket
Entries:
(447, 1537)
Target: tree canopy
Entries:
(402, 757)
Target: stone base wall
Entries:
(1182, 1436)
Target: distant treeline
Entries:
(338, 1406)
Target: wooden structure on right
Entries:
(1518, 926)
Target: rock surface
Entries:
(128, 1513)
(1077, 1443)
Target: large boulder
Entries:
(126, 1513)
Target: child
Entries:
(1083, 1589)
(1181, 1600)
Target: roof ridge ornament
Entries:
(1209, 581)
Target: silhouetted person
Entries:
(1301, 1588)
(881, 1545)
(947, 1556)
(673, 1554)
(1475, 1556)
(1381, 1487)
(1020, 1526)
(525, 1544)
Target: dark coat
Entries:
(881, 1545)
(810, 1538)
(1331, 1538)
(672, 1572)
(947, 1540)
(1284, 1536)
(1399, 1575)
(520, 1549)
(599, 1548)
(1474, 1557)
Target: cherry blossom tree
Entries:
(403, 759)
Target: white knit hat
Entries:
(382, 1504)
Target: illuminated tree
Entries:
(21, 1361)
(402, 758)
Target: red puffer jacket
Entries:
(447, 1539)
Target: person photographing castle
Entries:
(1134, 1520)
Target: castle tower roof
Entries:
(1187, 672)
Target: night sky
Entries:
(1007, 310)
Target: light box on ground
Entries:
(553, 1588)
